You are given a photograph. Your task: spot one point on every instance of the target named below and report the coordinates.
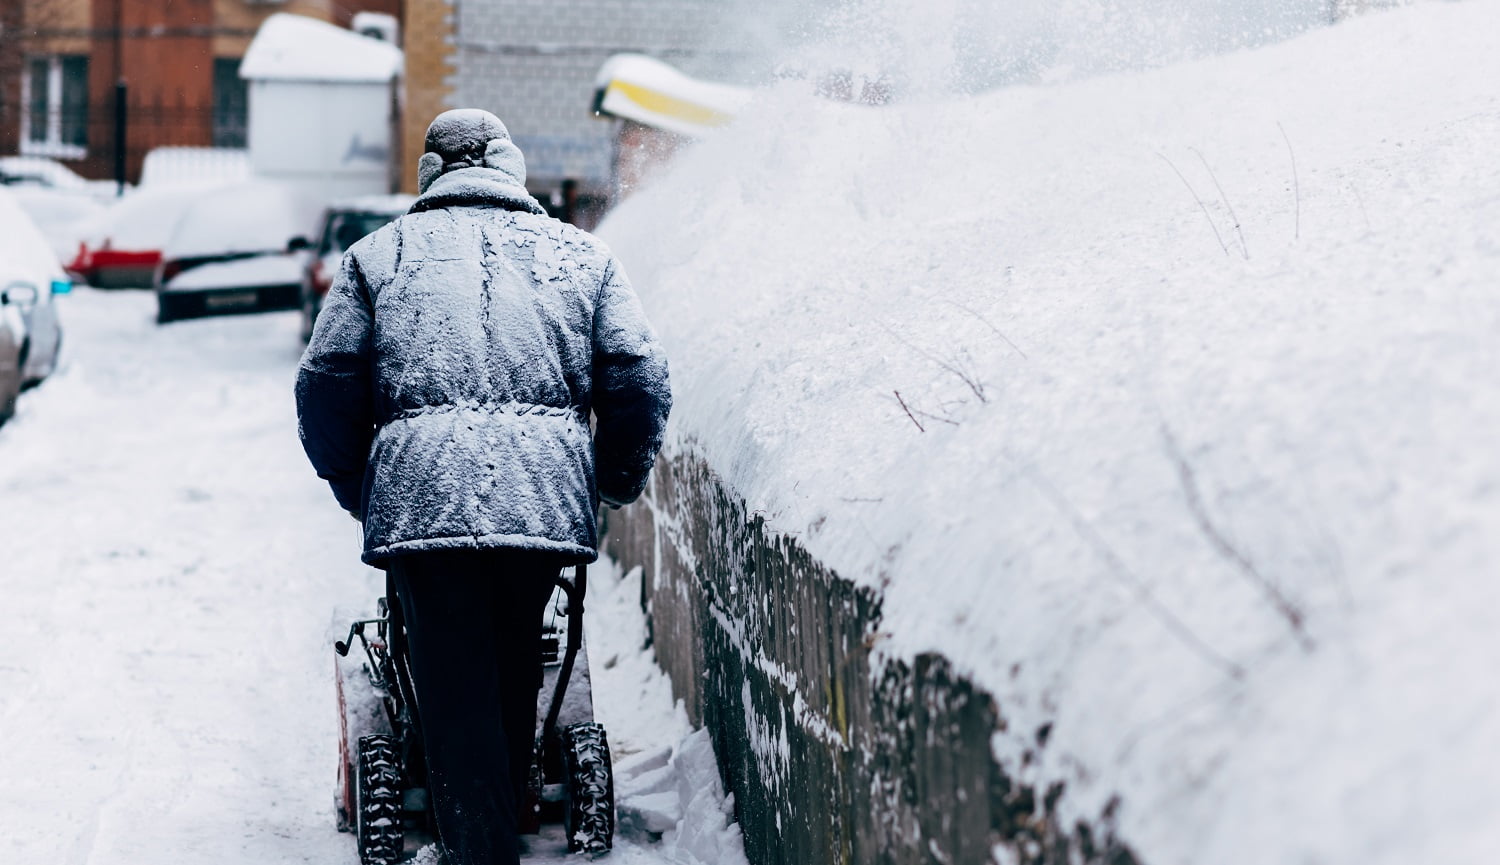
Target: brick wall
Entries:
(165, 52)
(427, 38)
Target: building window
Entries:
(231, 105)
(56, 92)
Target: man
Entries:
(445, 396)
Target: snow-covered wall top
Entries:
(1164, 404)
(291, 47)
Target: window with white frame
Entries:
(55, 90)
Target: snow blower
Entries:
(382, 778)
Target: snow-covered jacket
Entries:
(446, 391)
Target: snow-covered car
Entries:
(61, 203)
(31, 275)
(122, 247)
(64, 216)
(21, 172)
(232, 251)
(343, 224)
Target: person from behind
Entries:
(446, 396)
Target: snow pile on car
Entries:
(1164, 404)
(255, 216)
(27, 252)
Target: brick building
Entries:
(533, 63)
(60, 61)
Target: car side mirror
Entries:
(297, 244)
(20, 293)
(62, 286)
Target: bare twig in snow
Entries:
(1176, 626)
(1201, 206)
(908, 411)
(1224, 198)
(937, 417)
(1221, 544)
(973, 383)
(987, 323)
(1296, 184)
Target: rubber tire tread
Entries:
(378, 801)
(591, 789)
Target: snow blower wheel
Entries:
(590, 788)
(378, 801)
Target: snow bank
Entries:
(1210, 489)
(666, 776)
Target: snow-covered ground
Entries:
(169, 566)
(1164, 403)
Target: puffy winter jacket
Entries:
(446, 391)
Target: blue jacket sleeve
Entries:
(632, 395)
(335, 391)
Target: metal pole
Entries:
(120, 93)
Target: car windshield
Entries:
(345, 229)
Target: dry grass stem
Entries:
(989, 324)
(1224, 198)
(1201, 206)
(1296, 185)
(1176, 626)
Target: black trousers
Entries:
(473, 623)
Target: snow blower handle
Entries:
(357, 630)
(575, 590)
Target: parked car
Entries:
(64, 216)
(342, 225)
(19, 172)
(60, 202)
(232, 251)
(122, 247)
(31, 275)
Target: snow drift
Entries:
(1164, 404)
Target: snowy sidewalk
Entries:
(171, 564)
